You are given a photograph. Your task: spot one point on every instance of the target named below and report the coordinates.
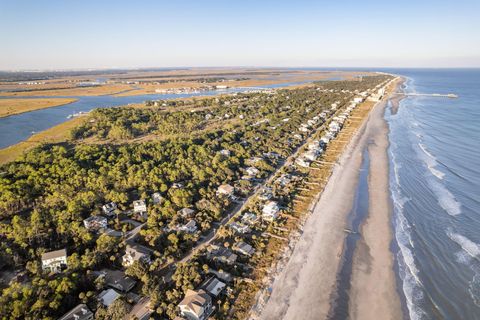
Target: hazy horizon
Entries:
(58, 35)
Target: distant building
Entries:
(284, 179)
(135, 253)
(107, 297)
(266, 194)
(249, 218)
(157, 198)
(243, 248)
(196, 305)
(226, 190)
(222, 254)
(139, 206)
(270, 211)
(95, 223)
(80, 312)
(54, 261)
(302, 162)
(118, 280)
(178, 185)
(240, 228)
(189, 227)
(311, 155)
(186, 212)
(252, 171)
(141, 310)
(225, 152)
(109, 209)
(213, 286)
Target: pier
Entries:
(439, 95)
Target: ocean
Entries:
(435, 188)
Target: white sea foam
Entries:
(408, 270)
(470, 247)
(431, 162)
(474, 289)
(445, 198)
(468, 256)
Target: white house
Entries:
(189, 227)
(139, 206)
(54, 261)
(243, 248)
(302, 162)
(225, 152)
(95, 223)
(196, 305)
(157, 198)
(311, 155)
(226, 190)
(270, 211)
(240, 228)
(107, 297)
(80, 312)
(249, 218)
(109, 208)
(186, 212)
(135, 253)
(252, 171)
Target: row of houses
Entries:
(116, 285)
(317, 147)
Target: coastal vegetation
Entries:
(10, 107)
(182, 150)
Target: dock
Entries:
(439, 95)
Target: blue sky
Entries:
(53, 34)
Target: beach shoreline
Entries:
(373, 261)
(318, 253)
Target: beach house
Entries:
(225, 190)
(157, 198)
(135, 253)
(109, 209)
(186, 212)
(107, 297)
(189, 227)
(117, 279)
(54, 261)
(95, 223)
(243, 248)
(270, 211)
(196, 305)
(140, 208)
(213, 286)
(80, 312)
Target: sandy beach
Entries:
(372, 270)
(307, 285)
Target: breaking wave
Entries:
(444, 197)
(469, 256)
(408, 270)
(470, 247)
(431, 162)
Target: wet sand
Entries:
(307, 285)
